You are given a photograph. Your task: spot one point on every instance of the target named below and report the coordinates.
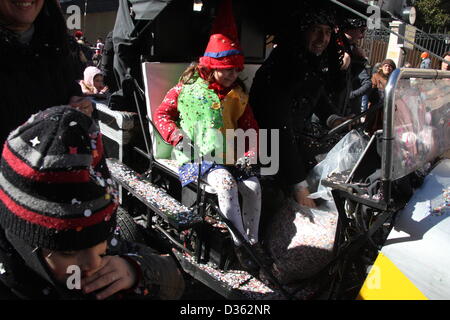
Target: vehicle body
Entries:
(187, 222)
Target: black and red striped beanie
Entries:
(55, 188)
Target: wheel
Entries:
(128, 228)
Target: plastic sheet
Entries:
(342, 157)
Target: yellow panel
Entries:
(386, 282)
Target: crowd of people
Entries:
(56, 156)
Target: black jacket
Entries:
(32, 77)
(360, 84)
(286, 91)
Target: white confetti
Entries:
(87, 213)
(101, 181)
(114, 242)
(2, 269)
(73, 123)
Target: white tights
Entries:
(227, 192)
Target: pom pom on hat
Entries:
(223, 50)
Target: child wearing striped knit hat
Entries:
(58, 235)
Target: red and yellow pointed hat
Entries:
(223, 50)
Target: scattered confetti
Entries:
(2, 269)
(173, 210)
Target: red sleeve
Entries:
(248, 121)
(166, 116)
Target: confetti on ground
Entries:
(248, 286)
(305, 242)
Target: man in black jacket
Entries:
(36, 68)
(291, 86)
(358, 82)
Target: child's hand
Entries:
(116, 274)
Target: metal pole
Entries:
(84, 16)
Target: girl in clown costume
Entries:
(208, 100)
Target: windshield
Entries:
(421, 123)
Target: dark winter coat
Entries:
(376, 99)
(32, 77)
(360, 84)
(107, 64)
(24, 273)
(286, 91)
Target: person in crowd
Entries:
(358, 78)
(292, 85)
(78, 34)
(58, 235)
(100, 45)
(92, 84)
(407, 65)
(376, 98)
(446, 65)
(97, 57)
(380, 79)
(223, 106)
(376, 68)
(37, 69)
(425, 61)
